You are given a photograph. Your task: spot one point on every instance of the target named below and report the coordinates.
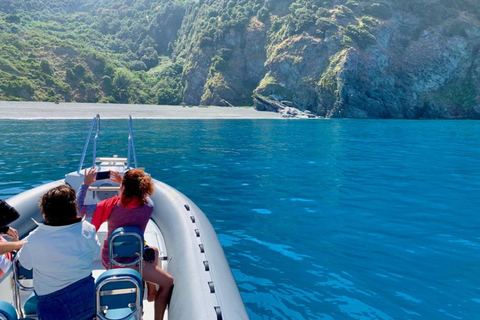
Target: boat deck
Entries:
(152, 236)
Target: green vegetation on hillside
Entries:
(159, 51)
(89, 51)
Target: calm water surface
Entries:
(340, 219)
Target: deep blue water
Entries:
(329, 219)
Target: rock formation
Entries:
(360, 61)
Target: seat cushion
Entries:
(30, 306)
(119, 313)
(7, 311)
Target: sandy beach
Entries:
(48, 110)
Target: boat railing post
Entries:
(131, 144)
(88, 141)
(95, 141)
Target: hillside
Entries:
(333, 58)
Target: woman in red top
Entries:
(132, 208)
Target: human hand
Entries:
(19, 244)
(90, 176)
(115, 176)
(12, 233)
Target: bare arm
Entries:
(6, 247)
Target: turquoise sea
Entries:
(319, 219)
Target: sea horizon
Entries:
(30, 110)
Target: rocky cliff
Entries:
(388, 59)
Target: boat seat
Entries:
(7, 312)
(119, 295)
(30, 306)
(125, 248)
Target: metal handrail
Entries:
(97, 117)
(131, 143)
(95, 141)
(18, 286)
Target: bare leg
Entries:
(151, 287)
(155, 275)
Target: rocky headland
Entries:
(386, 60)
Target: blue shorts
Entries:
(75, 302)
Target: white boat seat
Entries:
(125, 248)
(119, 295)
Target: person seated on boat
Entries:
(132, 208)
(60, 252)
(8, 214)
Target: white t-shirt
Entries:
(59, 255)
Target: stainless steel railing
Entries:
(96, 123)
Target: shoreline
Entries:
(30, 110)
